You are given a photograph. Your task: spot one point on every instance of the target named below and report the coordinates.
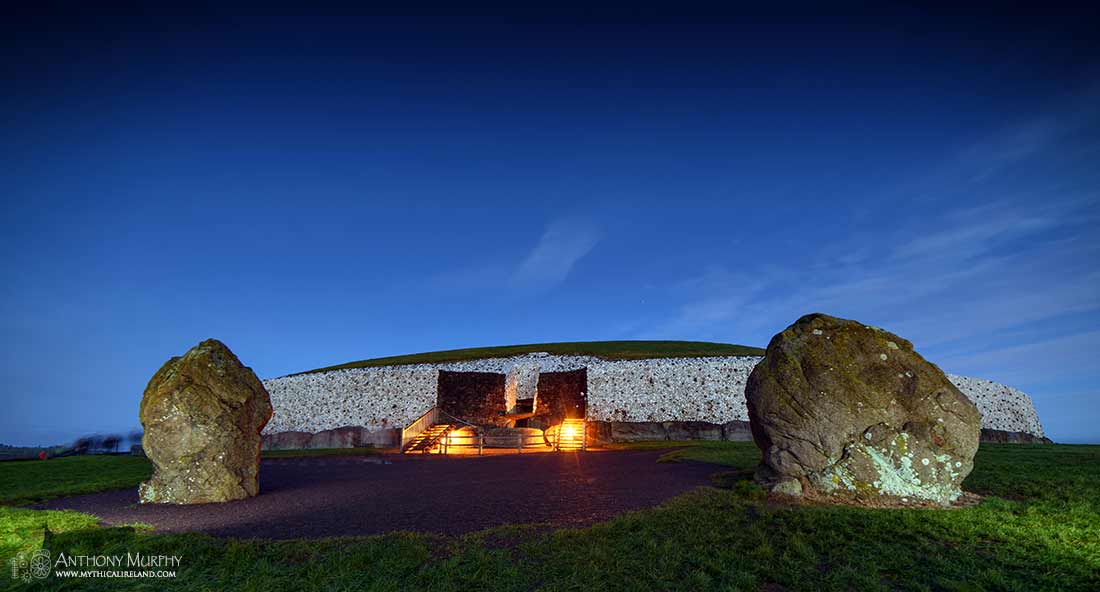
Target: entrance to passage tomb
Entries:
(560, 396)
(524, 409)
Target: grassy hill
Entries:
(608, 350)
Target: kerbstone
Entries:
(852, 410)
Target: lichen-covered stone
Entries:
(852, 410)
(202, 414)
(791, 487)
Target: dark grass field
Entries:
(1038, 528)
(610, 350)
(27, 481)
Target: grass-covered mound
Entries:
(608, 350)
(1038, 528)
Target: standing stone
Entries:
(841, 408)
(520, 383)
(202, 415)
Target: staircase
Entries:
(572, 436)
(425, 441)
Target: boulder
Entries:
(343, 437)
(202, 415)
(638, 431)
(1007, 437)
(599, 432)
(692, 430)
(851, 410)
(737, 431)
(286, 441)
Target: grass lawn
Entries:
(29, 481)
(1037, 529)
(24, 482)
(610, 350)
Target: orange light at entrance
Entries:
(571, 435)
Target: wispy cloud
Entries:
(1058, 358)
(950, 277)
(1018, 142)
(973, 231)
(562, 245)
(935, 296)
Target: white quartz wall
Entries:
(375, 398)
(388, 396)
(670, 389)
(661, 389)
(1002, 407)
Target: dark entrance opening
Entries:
(524, 407)
(476, 397)
(560, 395)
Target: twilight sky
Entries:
(318, 190)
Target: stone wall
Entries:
(520, 383)
(560, 395)
(476, 397)
(1003, 408)
(669, 389)
(656, 391)
(374, 398)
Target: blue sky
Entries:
(318, 190)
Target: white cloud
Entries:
(563, 243)
(979, 270)
(1014, 144)
(1061, 358)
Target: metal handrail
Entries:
(461, 421)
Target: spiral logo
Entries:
(36, 566)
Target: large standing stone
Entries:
(838, 407)
(202, 414)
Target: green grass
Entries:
(610, 350)
(29, 481)
(1037, 529)
(22, 530)
(24, 482)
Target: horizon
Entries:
(314, 191)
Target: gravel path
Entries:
(333, 496)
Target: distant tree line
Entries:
(104, 443)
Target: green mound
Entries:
(608, 350)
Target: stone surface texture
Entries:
(1003, 407)
(654, 390)
(560, 395)
(345, 437)
(203, 413)
(521, 381)
(851, 410)
(474, 397)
